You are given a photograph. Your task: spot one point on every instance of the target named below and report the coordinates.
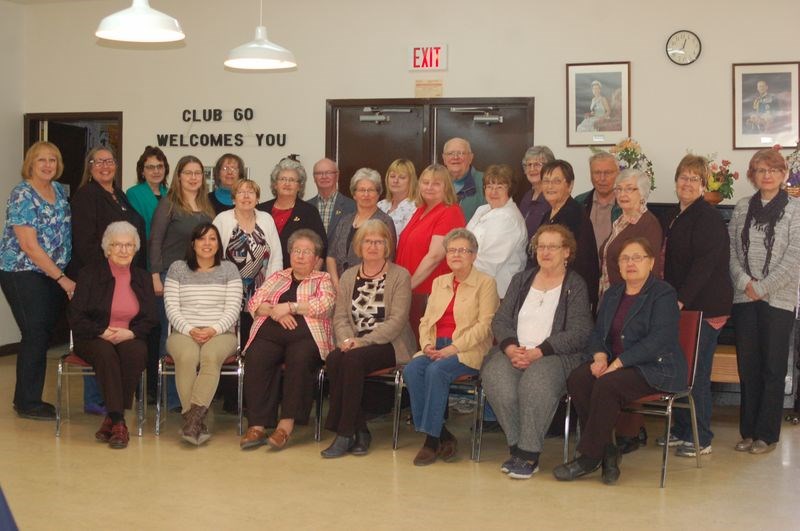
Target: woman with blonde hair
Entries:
(401, 187)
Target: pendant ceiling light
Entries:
(260, 54)
(140, 23)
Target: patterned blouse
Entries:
(52, 223)
(367, 305)
(249, 253)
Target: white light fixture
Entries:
(260, 54)
(140, 23)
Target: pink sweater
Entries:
(124, 304)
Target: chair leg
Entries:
(477, 430)
(140, 402)
(665, 453)
(320, 397)
(398, 397)
(59, 374)
(161, 395)
(568, 402)
(240, 394)
(695, 433)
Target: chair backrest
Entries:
(689, 340)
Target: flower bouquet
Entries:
(629, 154)
(721, 178)
(793, 182)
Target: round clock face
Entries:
(683, 47)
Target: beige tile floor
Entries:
(158, 483)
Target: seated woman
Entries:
(372, 332)
(292, 327)
(633, 352)
(455, 334)
(111, 314)
(202, 297)
(542, 327)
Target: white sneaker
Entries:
(687, 450)
(673, 441)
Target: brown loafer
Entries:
(254, 437)
(744, 445)
(761, 447)
(119, 436)
(278, 439)
(426, 456)
(448, 449)
(104, 433)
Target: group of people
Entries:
(446, 277)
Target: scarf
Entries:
(765, 218)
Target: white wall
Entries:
(11, 109)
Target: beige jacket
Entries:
(474, 307)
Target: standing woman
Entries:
(98, 202)
(288, 210)
(696, 258)
(203, 297)
(152, 169)
(366, 188)
(35, 249)
(228, 169)
(401, 188)
(765, 253)
(533, 204)
(420, 249)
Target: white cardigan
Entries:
(502, 238)
(226, 223)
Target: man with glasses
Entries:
(331, 204)
(457, 157)
(600, 202)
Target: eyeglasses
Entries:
(694, 179)
(531, 165)
(626, 189)
(302, 252)
(287, 180)
(189, 173)
(103, 162)
(459, 251)
(374, 243)
(454, 154)
(551, 247)
(154, 167)
(123, 246)
(366, 191)
(233, 169)
(328, 173)
(554, 182)
(773, 172)
(495, 187)
(635, 258)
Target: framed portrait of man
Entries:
(766, 105)
(598, 103)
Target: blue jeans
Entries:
(701, 391)
(91, 392)
(36, 302)
(173, 401)
(428, 385)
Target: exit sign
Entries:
(427, 57)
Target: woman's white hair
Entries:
(116, 229)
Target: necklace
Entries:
(367, 275)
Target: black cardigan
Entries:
(90, 308)
(697, 258)
(94, 209)
(304, 216)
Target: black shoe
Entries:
(576, 468)
(339, 447)
(630, 444)
(361, 445)
(611, 460)
(43, 411)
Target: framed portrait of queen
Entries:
(598, 103)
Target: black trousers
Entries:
(598, 402)
(762, 355)
(346, 372)
(273, 347)
(118, 368)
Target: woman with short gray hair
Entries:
(533, 206)
(366, 187)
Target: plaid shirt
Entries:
(316, 289)
(325, 207)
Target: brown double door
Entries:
(373, 133)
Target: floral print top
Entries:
(52, 222)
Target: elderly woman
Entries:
(292, 312)
(111, 315)
(765, 253)
(633, 352)
(558, 179)
(632, 187)
(542, 328)
(420, 248)
(696, 264)
(366, 188)
(228, 169)
(35, 248)
(96, 203)
(202, 296)
(533, 206)
(455, 335)
(499, 229)
(371, 326)
(152, 169)
(401, 188)
(289, 212)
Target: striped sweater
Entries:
(196, 299)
